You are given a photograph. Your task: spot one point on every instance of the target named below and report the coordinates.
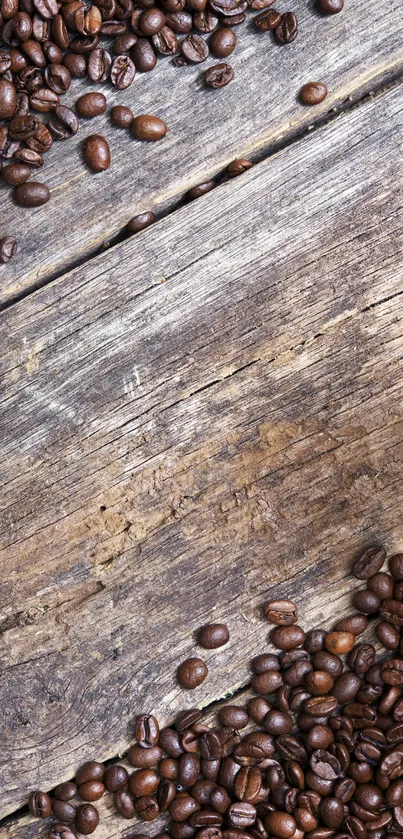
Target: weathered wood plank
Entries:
(352, 52)
(187, 422)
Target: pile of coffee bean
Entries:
(46, 43)
(316, 752)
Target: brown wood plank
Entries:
(211, 408)
(352, 52)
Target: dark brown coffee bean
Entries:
(186, 719)
(205, 21)
(43, 100)
(122, 72)
(392, 611)
(165, 794)
(143, 55)
(248, 754)
(170, 741)
(287, 637)
(91, 104)
(369, 563)
(219, 798)
(60, 34)
(218, 76)
(233, 716)
(58, 78)
(361, 658)
(356, 624)
(212, 635)
(325, 765)
(124, 804)
(258, 707)
(39, 803)
(223, 42)
(122, 117)
(63, 123)
(8, 99)
(267, 20)
(15, 174)
(267, 682)
(76, 65)
(97, 153)
(99, 65)
(66, 791)
(194, 49)
(91, 791)
(61, 831)
(205, 818)
(332, 812)
(277, 722)
(392, 671)
(396, 567)
(320, 737)
(326, 661)
(22, 26)
(281, 612)
(193, 671)
(366, 601)
(330, 7)
(115, 778)
(21, 128)
(147, 731)
(30, 157)
(388, 635)
(151, 21)
(147, 808)
(31, 194)
(182, 808)
(143, 782)
(280, 824)
(346, 687)
(181, 22)
(144, 758)
(63, 810)
(287, 30)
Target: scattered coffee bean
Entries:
(213, 635)
(192, 672)
(140, 222)
(147, 127)
(61, 831)
(15, 174)
(195, 49)
(223, 42)
(197, 192)
(238, 167)
(121, 116)
(87, 819)
(330, 7)
(91, 105)
(97, 153)
(268, 20)
(116, 777)
(287, 30)
(64, 810)
(91, 791)
(282, 612)
(218, 76)
(39, 803)
(313, 93)
(31, 194)
(66, 791)
(63, 123)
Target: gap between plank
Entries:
(384, 86)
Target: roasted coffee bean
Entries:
(223, 42)
(280, 824)
(165, 794)
(315, 640)
(91, 104)
(124, 43)
(99, 65)
(97, 153)
(332, 812)
(330, 7)
(287, 30)
(39, 803)
(195, 49)
(66, 791)
(63, 810)
(181, 22)
(366, 601)
(31, 194)
(147, 731)
(238, 167)
(356, 624)
(124, 804)
(369, 563)
(388, 635)
(282, 612)
(182, 807)
(327, 661)
(141, 221)
(212, 635)
(15, 174)
(339, 642)
(287, 637)
(8, 99)
(115, 778)
(76, 65)
(392, 671)
(21, 128)
(205, 818)
(170, 741)
(43, 100)
(61, 831)
(91, 791)
(205, 21)
(267, 20)
(265, 661)
(186, 719)
(143, 782)
(233, 716)
(361, 658)
(193, 671)
(218, 76)
(122, 72)
(392, 611)
(276, 722)
(22, 26)
(143, 55)
(168, 767)
(396, 567)
(32, 158)
(189, 769)
(319, 737)
(165, 42)
(151, 21)
(122, 117)
(267, 682)
(258, 707)
(219, 798)
(249, 754)
(63, 123)
(147, 808)
(58, 78)
(346, 687)
(144, 758)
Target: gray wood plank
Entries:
(352, 52)
(211, 408)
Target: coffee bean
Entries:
(282, 612)
(392, 671)
(200, 189)
(346, 687)
(39, 803)
(267, 20)
(99, 65)
(63, 810)
(58, 78)
(265, 661)
(43, 100)
(339, 642)
(205, 21)
(124, 804)
(388, 635)
(267, 682)
(61, 831)
(182, 807)
(144, 758)
(91, 105)
(63, 123)
(151, 128)
(238, 167)
(122, 72)
(31, 194)
(115, 778)
(287, 637)
(213, 635)
(223, 42)
(122, 117)
(8, 99)
(233, 716)
(369, 563)
(218, 76)
(97, 153)
(312, 93)
(287, 30)
(181, 22)
(332, 664)
(366, 601)
(282, 825)
(143, 55)
(144, 782)
(147, 808)
(15, 174)
(194, 49)
(356, 624)
(330, 7)
(76, 65)
(147, 731)
(66, 791)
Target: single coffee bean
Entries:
(39, 803)
(181, 22)
(330, 7)
(124, 804)
(76, 65)
(223, 42)
(327, 661)
(361, 658)
(280, 824)
(346, 687)
(63, 810)
(122, 117)
(219, 799)
(281, 612)
(356, 624)
(233, 716)
(15, 174)
(339, 642)
(58, 78)
(396, 567)
(195, 49)
(151, 128)
(147, 808)
(315, 640)
(205, 21)
(388, 635)
(43, 100)
(168, 768)
(186, 719)
(213, 635)
(31, 194)
(170, 741)
(382, 584)
(8, 99)
(147, 731)
(165, 794)
(287, 30)
(144, 758)
(238, 167)
(369, 563)
(115, 778)
(122, 72)
(366, 602)
(151, 21)
(140, 222)
(392, 671)
(258, 707)
(182, 807)
(90, 771)
(278, 722)
(312, 93)
(218, 76)
(143, 55)
(91, 791)
(143, 782)
(165, 41)
(61, 831)
(287, 637)
(268, 20)
(97, 153)
(91, 104)
(63, 123)
(267, 682)
(320, 737)
(66, 791)
(99, 65)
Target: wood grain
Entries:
(352, 52)
(208, 415)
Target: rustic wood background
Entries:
(206, 415)
(353, 53)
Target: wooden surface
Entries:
(205, 411)
(352, 52)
